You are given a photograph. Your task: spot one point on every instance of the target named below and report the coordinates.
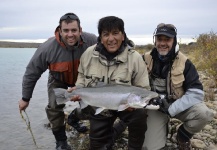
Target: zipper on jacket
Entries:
(73, 69)
(108, 73)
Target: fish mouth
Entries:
(136, 101)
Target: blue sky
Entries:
(37, 19)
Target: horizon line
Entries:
(137, 39)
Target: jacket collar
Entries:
(120, 58)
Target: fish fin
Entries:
(122, 107)
(60, 95)
(99, 110)
(82, 104)
(69, 107)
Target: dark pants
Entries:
(101, 129)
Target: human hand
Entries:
(162, 103)
(70, 89)
(164, 106)
(23, 104)
(130, 109)
(75, 97)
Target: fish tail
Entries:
(61, 95)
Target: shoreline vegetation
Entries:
(139, 48)
(4, 44)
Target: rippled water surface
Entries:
(13, 130)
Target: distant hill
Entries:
(5, 44)
(140, 48)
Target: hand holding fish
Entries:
(130, 109)
(74, 98)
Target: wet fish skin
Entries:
(112, 97)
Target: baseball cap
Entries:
(166, 29)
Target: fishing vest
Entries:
(175, 77)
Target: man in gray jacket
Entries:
(59, 54)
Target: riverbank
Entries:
(4, 44)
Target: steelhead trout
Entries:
(113, 97)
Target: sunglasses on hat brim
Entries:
(73, 17)
(171, 26)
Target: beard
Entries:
(163, 53)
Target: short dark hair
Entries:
(109, 23)
(68, 18)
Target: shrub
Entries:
(144, 48)
(204, 53)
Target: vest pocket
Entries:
(92, 76)
(177, 79)
(177, 85)
(62, 72)
(122, 76)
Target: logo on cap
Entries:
(163, 29)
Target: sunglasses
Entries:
(170, 26)
(73, 17)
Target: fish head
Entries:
(135, 101)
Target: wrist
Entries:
(25, 99)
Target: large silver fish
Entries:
(112, 97)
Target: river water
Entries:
(13, 130)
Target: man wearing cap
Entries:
(60, 54)
(176, 80)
